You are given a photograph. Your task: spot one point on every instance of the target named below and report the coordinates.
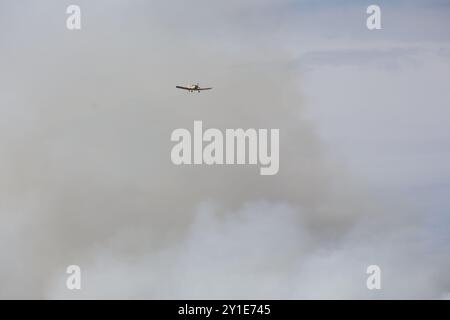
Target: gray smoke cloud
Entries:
(86, 176)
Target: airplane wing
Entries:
(184, 88)
(204, 88)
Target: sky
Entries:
(86, 176)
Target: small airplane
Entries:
(192, 88)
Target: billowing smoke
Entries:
(86, 176)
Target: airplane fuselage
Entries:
(194, 87)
